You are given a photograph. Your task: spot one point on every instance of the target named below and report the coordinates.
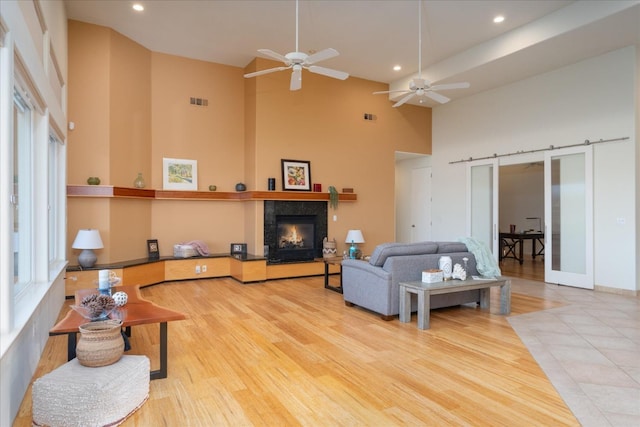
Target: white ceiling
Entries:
(459, 40)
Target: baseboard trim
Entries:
(617, 291)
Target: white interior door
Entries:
(482, 202)
(568, 181)
(420, 205)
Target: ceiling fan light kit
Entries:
(297, 61)
(421, 87)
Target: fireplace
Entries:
(293, 231)
(295, 237)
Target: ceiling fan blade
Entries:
(274, 55)
(463, 85)
(329, 72)
(321, 56)
(296, 79)
(270, 70)
(390, 91)
(405, 99)
(437, 97)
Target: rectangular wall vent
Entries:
(199, 101)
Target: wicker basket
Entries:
(100, 343)
(329, 248)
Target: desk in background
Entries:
(512, 245)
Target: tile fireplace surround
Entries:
(275, 208)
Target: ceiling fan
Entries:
(419, 86)
(298, 60)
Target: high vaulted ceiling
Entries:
(459, 40)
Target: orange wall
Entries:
(110, 105)
(241, 136)
(323, 123)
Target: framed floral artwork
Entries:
(179, 174)
(296, 175)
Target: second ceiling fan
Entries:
(298, 60)
(419, 86)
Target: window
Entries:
(53, 196)
(22, 193)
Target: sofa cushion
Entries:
(449, 247)
(385, 250)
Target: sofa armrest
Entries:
(365, 267)
(367, 286)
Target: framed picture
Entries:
(296, 175)
(179, 174)
(238, 249)
(152, 249)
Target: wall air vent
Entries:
(199, 102)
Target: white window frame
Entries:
(56, 204)
(22, 244)
(18, 301)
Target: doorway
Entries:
(413, 197)
(568, 213)
(521, 207)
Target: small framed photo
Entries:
(152, 249)
(238, 249)
(296, 175)
(179, 174)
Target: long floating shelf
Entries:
(138, 193)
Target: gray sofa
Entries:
(373, 284)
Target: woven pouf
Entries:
(76, 395)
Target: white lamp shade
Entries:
(354, 236)
(88, 239)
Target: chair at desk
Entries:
(509, 248)
(539, 252)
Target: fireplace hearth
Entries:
(293, 231)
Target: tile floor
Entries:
(589, 350)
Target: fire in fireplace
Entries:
(295, 237)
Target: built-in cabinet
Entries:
(148, 272)
(245, 269)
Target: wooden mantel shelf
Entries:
(143, 193)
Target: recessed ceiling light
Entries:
(397, 68)
(498, 19)
(138, 7)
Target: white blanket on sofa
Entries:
(485, 262)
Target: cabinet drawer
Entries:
(147, 274)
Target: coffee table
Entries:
(137, 311)
(425, 290)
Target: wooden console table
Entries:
(425, 290)
(137, 311)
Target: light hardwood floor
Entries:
(288, 352)
(531, 269)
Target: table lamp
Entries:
(354, 237)
(87, 240)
